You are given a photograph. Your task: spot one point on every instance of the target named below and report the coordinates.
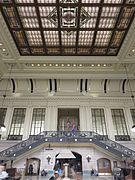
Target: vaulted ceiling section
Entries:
(68, 27)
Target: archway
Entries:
(76, 163)
(35, 163)
(104, 166)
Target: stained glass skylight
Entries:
(68, 27)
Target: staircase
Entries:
(32, 142)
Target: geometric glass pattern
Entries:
(68, 27)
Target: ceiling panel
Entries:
(68, 27)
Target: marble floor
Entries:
(80, 178)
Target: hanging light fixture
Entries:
(2, 126)
(132, 95)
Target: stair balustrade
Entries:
(67, 137)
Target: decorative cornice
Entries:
(128, 44)
(68, 65)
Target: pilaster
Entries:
(109, 123)
(51, 118)
(84, 118)
(7, 123)
(129, 122)
(27, 123)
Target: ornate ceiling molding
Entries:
(10, 50)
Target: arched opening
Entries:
(32, 166)
(75, 163)
(104, 166)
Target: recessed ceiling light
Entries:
(74, 65)
(68, 65)
(80, 65)
(104, 65)
(44, 64)
(98, 65)
(38, 64)
(62, 65)
(56, 64)
(133, 50)
(3, 49)
(1, 44)
(50, 64)
(32, 64)
(92, 65)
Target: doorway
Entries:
(104, 166)
(68, 119)
(35, 164)
(75, 163)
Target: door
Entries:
(104, 166)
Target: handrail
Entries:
(67, 136)
(113, 144)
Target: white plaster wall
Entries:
(84, 151)
(84, 105)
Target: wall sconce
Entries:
(48, 158)
(88, 158)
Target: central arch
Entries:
(76, 163)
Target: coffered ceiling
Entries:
(67, 38)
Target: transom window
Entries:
(2, 115)
(119, 122)
(98, 121)
(38, 121)
(17, 124)
(133, 115)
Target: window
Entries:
(2, 115)
(119, 123)
(17, 121)
(98, 121)
(38, 121)
(133, 115)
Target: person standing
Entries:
(30, 169)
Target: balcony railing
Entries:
(67, 137)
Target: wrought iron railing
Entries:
(67, 137)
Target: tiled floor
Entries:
(81, 178)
